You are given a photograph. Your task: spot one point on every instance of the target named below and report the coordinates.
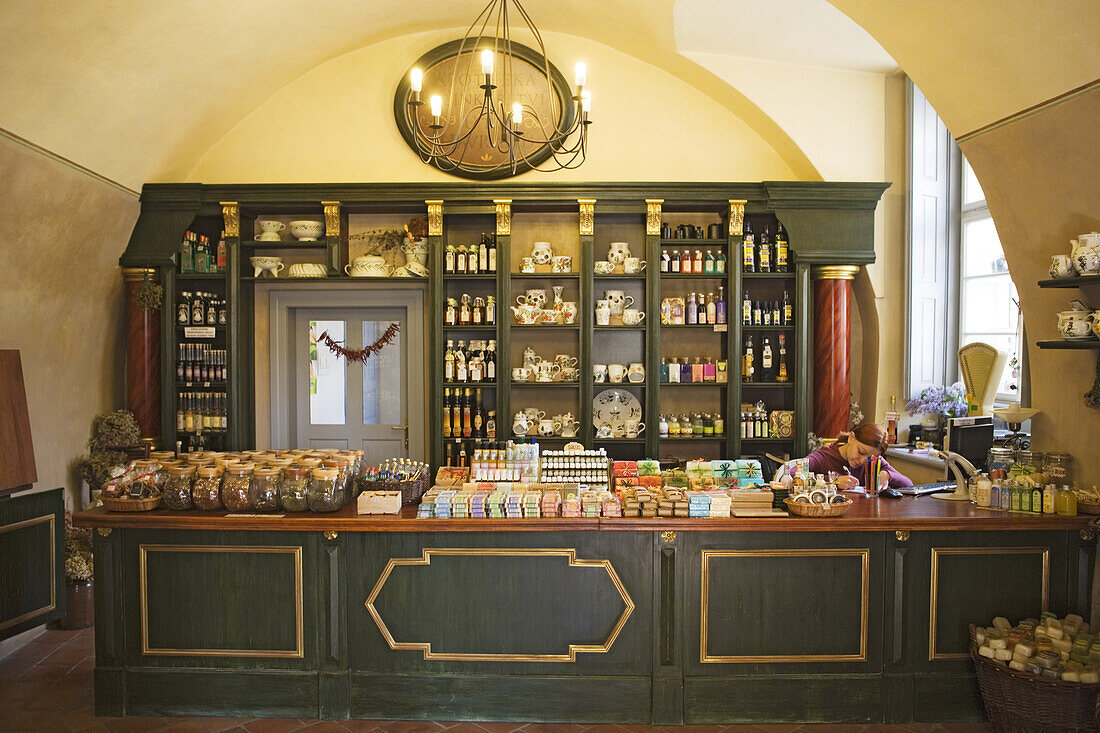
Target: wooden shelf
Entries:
(721, 327)
(476, 276)
(515, 384)
(1070, 282)
(285, 244)
(767, 440)
(618, 440)
(767, 275)
(699, 242)
(470, 328)
(545, 275)
(618, 328)
(200, 276)
(479, 385)
(547, 327)
(694, 384)
(768, 385)
(1067, 344)
(767, 328)
(613, 276)
(693, 276)
(695, 438)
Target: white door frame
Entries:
(280, 324)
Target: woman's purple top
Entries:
(828, 459)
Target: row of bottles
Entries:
(201, 420)
(200, 363)
(471, 311)
(770, 368)
(200, 309)
(476, 364)
(678, 370)
(764, 256)
(472, 259)
(767, 313)
(197, 255)
(465, 416)
(1016, 496)
(696, 425)
(754, 421)
(705, 308)
(681, 262)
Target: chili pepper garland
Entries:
(364, 353)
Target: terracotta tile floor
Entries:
(46, 685)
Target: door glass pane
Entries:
(382, 375)
(327, 375)
(982, 253)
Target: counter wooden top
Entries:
(867, 515)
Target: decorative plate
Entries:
(614, 407)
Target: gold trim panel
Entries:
(44, 519)
(435, 217)
(504, 216)
(332, 218)
(137, 274)
(737, 217)
(933, 655)
(835, 272)
(231, 214)
(587, 216)
(426, 648)
(864, 610)
(653, 216)
(299, 612)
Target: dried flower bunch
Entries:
(946, 402)
(111, 433)
(78, 551)
(150, 295)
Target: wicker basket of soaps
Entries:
(126, 504)
(811, 509)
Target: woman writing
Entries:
(847, 458)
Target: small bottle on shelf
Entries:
(492, 253)
(674, 262)
(748, 250)
(781, 373)
(712, 309)
(720, 307)
(483, 255)
(746, 310)
(766, 370)
(665, 261)
(449, 255)
(788, 309)
(765, 252)
(782, 253)
(697, 267)
(708, 263)
(460, 259)
(747, 367)
(776, 314)
(720, 263)
(685, 262)
(757, 314)
(692, 313)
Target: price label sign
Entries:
(198, 332)
(720, 327)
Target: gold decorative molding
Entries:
(49, 520)
(1088, 534)
(332, 218)
(737, 217)
(504, 216)
(104, 531)
(331, 534)
(137, 274)
(435, 217)
(231, 213)
(299, 611)
(933, 596)
(902, 535)
(587, 216)
(835, 272)
(668, 536)
(864, 554)
(426, 648)
(653, 216)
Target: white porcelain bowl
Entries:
(306, 231)
(270, 264)
(307, 269)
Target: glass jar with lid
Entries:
(1027, 463)
(207, 491)
(324, 493)
(293, 489)
(343, 475)
(263, 492)
(235, 485)
(1058, 469)
(177, 489)
(998, 461)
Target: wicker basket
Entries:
(1019, 702)
(411, 491)
(805, 509)
(1088, 507)
(123, 504)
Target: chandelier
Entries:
(525, 117)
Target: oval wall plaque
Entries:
(475, 157)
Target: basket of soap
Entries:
(834, 506)
(126, 504)
(1040, 675)
(1088, 501)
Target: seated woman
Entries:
(848, 455)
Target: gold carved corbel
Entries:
(587, 216)
(653, 216)
(737, 217)
(504, 216)
(332, 218)
(435, 218)
(231, 213)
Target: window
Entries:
(959, 287)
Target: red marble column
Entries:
(142, 355)
(832, 383)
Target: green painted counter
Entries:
(857, 619)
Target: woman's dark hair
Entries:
(868, 433)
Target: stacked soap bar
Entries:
(531, 502)
(1049, 647)
(551, 503)
(699, 504)
(571, 506)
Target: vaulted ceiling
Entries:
(138, 90)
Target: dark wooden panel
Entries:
(528, 601)
(184, 613)
(943, 697)
(238, 693)
(33, 559)
(506, 698)
(17, 470)
(792, 698)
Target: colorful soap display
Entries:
(1057, 649)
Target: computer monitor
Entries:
(970, 437)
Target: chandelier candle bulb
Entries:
(416, 80)
(517, 115)
(437, 107)
(580, 74)
(586, 102)
(487, 62)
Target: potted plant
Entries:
(79, 607)
(936, 405)
(112, 434)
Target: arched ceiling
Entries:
(138, 91)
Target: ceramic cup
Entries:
(603, 267)
(526, 315)
(266, 264)
(618, 300)
(267, 225)
(633, 265)
(635, 373)
(1062, 266)
(604, 431)
(562, 263)
(631, 428)
(603, 313)
(599, 373)
(565, 360)
(307, 269)
(542, 253)
(520, 374)
(616, 373)
(568, 312)
(416, 269)
(1075, 324)
(520, 424)
(570, 374)
(526, 265)
(307, 231)
(547, 371)
(533, 296)
(534, 414)
(547, 427)
(550, 316)
(632, 316)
